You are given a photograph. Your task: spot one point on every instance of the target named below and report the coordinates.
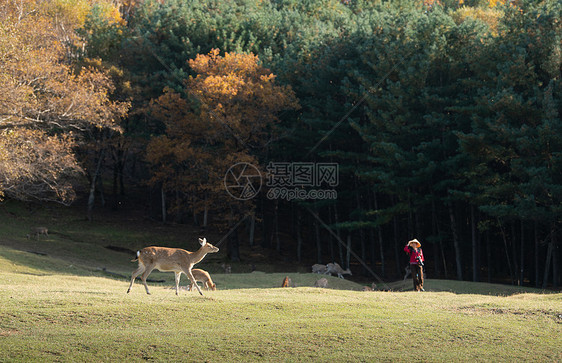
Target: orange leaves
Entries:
(221, 86)
(238, 93)
(241, 65)
(237, 105)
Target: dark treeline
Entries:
(443, 120)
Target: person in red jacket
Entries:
(413, 248)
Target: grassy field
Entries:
(58, 304)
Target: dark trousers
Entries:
(417, 276)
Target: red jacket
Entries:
(414, 253)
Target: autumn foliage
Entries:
(443, 117)
(45, 94)
(230, 116)
(35, 166)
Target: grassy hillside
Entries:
(58, 304)
(72, 316)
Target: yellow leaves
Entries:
(235, 88)
(222, 86)
(267, 78)
(494, 3)
(40, 85)
(491, 3)
(489, 16)
(71, 12)
(231, 64)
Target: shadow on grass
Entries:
(467, 287)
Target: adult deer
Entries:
(38, 231)
(335, 268)
(319, 268)
(170, 259)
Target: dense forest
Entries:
(366, 123)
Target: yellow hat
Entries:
(414, 243)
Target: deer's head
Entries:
(207, 247)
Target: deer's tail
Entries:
(137, 258)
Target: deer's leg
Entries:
(137, 272)
(145, 275)
(408, 272)
(192, 279)
(178, 276)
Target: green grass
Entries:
(89, 320)
(76, 315)
(62, 307)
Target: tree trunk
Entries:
(489, 256)
(92, 196)
(206, 212)
(195, 217)
(441, 249)
(456, 242)
(506, 249)
(372, 248)
(115, 187)
(119, 156)
(178, 211)
(338, 234)
(299, 236)
(348, 251)
(363, 248)
(318, 241)
(397, 248)
(435, 232)
(522, 264)
(443, 259)
(100, 190)
(122, 178)
(379, 232)
(163, 198)
(276, 226)
(475, 253)
(381, 249)
(555, 269)
(265, 224)
(547, 265)
(252, 229)
(330, 237)
(514, 253)
(361, 231)
(233, 245)
(537, 269)
(411, 231)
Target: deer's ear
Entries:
(203, 241)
